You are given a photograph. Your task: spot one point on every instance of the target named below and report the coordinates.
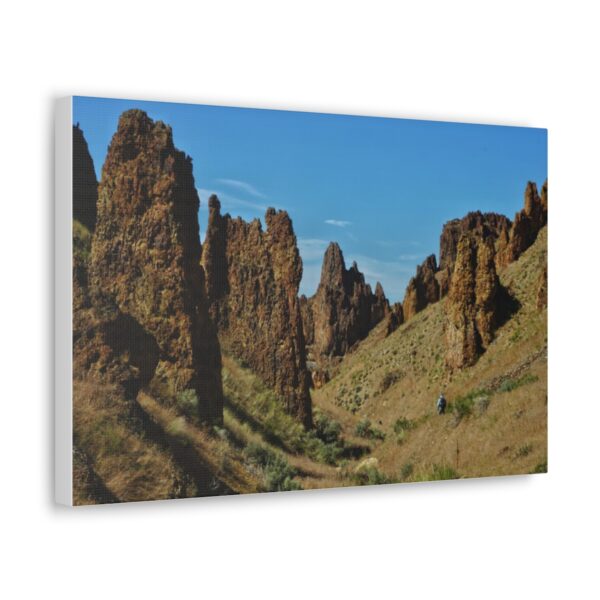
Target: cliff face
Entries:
(252, 281)
(395, 318)
(527, 224)
(146, 285)
(495, 225)
(344, 309)
(85, 186)
(542, 291)
(422, 289)
(474, 300)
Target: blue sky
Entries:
(382, 188)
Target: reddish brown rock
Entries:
(85, 185)
(474, 302)
(252, 281)
(308, 325)
(495, 225)
(395, 318)
(423, 289)
(527, 224)
(542, 291)
(380, 306)
(145, 280)
(344, 309)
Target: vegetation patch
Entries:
(541, 467)
(401, 427)
(187, 403)
(277, 472)
(438, 473)
(364, 429)
(371, 476)
(508, 385)
(523, 451)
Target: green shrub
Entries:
(439, 473)
(406, 471)
(541, 467)
(278, 474)
(462, 407)
(524, 451)
(187, 403)
(326, 429)
(512, 384)
(401, 424)
(371, 476)
(364, 430)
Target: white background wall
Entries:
(526, 63)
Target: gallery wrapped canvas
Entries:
(257, 301)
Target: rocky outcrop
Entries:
(146, 287)
(527, 224)
(395, 318)
(495, 225)
(252, 281)
(423, 289)
(474, 304)
(308, 325)
(380, 306)
(85, 186)
(341, 313)
(542, 289)
(344, 308)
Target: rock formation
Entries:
(395, 318)
(146, 285)
(498, 226)
(85, 186)
(422, 289)
(542, 290)
(527, 224)
(474, 302)
(252, 281)
(308, 325)
(344, 309)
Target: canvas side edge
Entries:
(63, 332)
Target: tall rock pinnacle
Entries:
(146, 283)
(85, 186)
(252, 282)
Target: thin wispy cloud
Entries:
(243, 186)
(337, 223)
(229, 202)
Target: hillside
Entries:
(497, 417)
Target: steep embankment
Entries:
(497, 419)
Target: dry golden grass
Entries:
(127, 464)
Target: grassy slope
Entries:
(509, 437)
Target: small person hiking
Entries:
(441, 404)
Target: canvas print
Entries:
(272, 300)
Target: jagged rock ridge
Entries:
(341, 313)
(85, 185)
(527, 224)
(149, 323)
(252, 281)
(422, 289)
